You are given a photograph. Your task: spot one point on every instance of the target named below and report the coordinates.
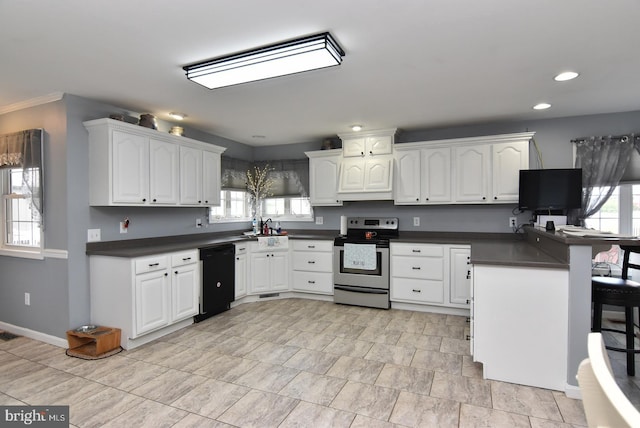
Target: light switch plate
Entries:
(93, 235)
(319, 220)
(123, 229)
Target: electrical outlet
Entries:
(93, 235)
(123, 227)
(416, 221)
(319, 220)
(513, 221)
(198, 222)
(27, 299)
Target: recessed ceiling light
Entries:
(356, 128)
(567, 75)
(541, 106)
(177, 116)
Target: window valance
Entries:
(290, 177)
(23, 150)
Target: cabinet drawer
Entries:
(241, 248)
(424, 250)
(312, 261)
(314, 282)
(418, 267)
(305, 245)
(184, 258)
(417, 290)
(150, 264)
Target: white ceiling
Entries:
(411, 64)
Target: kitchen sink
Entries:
(273, 242)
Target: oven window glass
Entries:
(377, 271)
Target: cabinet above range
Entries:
(130, 165)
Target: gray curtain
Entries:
(290, 177)
(603, 161)
(23, 150)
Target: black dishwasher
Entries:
(217, 289)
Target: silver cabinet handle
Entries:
(415, 251)
(311, 282)
(154, 264)
(311, 246)
(311, 262)
(184, 259)
(416, 268)
(417, 291)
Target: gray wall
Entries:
(59, 288)
(47, 279)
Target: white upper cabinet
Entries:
(163, 172)
(423, 176)
(366, 172)
(476, 170)
(134, 165)
(507, 160)
(324, 168)
(471, 173)
(129, 169)
(211, 178)
(190, 176)
(371, 146)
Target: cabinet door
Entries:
(352, 175)
(436, 175)
(190, 176)
(185, 288)
(130, 168)
(241, 275)
(472, 173)
(381, 145)
(507, 161)
(260, 281)
(408, 180)
(323, 180)
(151, 301)
(354, 147)
(163, 172)
(460, 276)
(279, 271)
(378, 174)
(210, 178)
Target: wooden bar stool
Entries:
(618, 292)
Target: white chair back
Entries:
(605, 405)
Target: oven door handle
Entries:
(360, 290)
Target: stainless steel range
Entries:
(361, 262)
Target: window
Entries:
(22, 221)
(621, 212)
(235, 206)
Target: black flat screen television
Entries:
(550, 189)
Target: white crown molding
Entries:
(54, 96)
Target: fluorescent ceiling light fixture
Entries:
(541, 106)
(356, 128)
(294, 56)
(567, 75)
(177, 116)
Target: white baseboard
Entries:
(573, 391)
(36, 335)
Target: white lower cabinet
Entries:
(145, 297)
(312, 266)
(460, 275)
(241, 270)
(432, 274)
(269, 269)
(417, 273)
(520, 324)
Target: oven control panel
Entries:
(372, 223)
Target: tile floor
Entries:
(286, 363)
